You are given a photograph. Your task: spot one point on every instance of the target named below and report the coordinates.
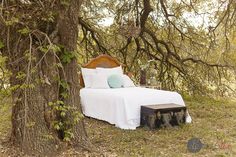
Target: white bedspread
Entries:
(121, 106)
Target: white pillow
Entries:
(127, 81)
(110, 71)
(99, 81)
(87, 76)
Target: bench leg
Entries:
(152, 121)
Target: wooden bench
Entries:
(162, 115)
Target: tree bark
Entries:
(32, 118)
(68, 37)
(36, 79)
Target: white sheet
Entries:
(121, 106)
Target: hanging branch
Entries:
(88, 28)
(146, 11)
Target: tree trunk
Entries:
(68, 37)
(32, 118)
(36, 81)
(143, 77)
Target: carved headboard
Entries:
(104, 61)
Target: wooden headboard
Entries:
(104, 61)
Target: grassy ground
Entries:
(5, 118)
(214, 123)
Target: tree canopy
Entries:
(189, 44)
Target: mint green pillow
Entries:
(115, 81)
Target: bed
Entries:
(121, 106)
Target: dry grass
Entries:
(214, 122)
(5, 118)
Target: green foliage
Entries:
(49, 17)
(55, 48)
(64, 110)
(48, 137)
(44, 49)
(68, 135)
(24, 31)
(27, 86)
(1, 44)
(64, 85)
(58, 125)
(21, 75)
(77, 116)
(29, 56)
(12, 21)
(67, 56)
(52, 47)
(66, 3)
(64, 95)
(5, 91)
